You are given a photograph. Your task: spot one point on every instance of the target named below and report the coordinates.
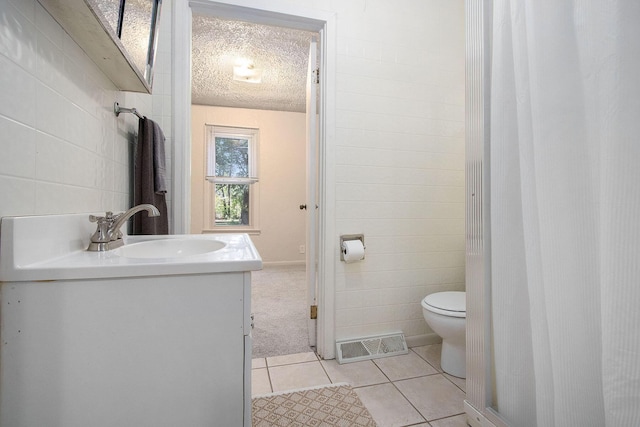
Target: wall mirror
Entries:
(119, 35)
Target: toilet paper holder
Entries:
(347, 237)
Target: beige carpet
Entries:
(280, 310)
(335, 405)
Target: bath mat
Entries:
(334, 405)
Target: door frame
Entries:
(281, 13)
(311, 224)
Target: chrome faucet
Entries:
(108, 235)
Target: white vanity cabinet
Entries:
(96, 339)
(148, 351)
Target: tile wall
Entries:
(63, 149)
(399, 160)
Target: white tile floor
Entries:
(406, 390)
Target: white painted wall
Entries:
(282, 174)
(63, 149)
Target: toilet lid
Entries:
(447, 303)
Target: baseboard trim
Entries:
(420, 340)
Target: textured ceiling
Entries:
(281, 54)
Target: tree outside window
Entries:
(231, 171)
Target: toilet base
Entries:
(453, 358)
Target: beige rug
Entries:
(335, 405)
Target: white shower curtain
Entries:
(565, 212)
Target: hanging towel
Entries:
(149, 178)
(159, 170)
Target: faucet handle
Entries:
(108, 216)
(101, 234)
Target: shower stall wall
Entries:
(478, 404)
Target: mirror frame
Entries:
(147, 73)
(86, 25)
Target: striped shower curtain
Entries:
(565, 212)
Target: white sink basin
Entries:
(169, 248)
(54, 247)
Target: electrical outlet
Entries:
(302, 249)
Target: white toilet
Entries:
(446, 314)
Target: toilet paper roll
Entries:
(353, 250)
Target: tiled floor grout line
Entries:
(409, 401)
(439, 371)
(292, 363)
(325, 370)
(413, 406)
(380, 369)
(448, 416)
(268, 375)
(448, 379)
(460, 388)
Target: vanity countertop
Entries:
(53, 247)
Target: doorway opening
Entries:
(253, 75)
(276, 12)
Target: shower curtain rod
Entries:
(118, 109)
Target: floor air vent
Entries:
(355, 350)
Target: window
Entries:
(231, 174)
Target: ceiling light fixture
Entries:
(246, 72)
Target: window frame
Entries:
(252, 136)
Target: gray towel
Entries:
(145, 182)
(159, 169)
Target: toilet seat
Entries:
(451, 304)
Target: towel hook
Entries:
(118, 109)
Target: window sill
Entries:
(225, 230)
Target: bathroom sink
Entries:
(54, 247)
(169, 248)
